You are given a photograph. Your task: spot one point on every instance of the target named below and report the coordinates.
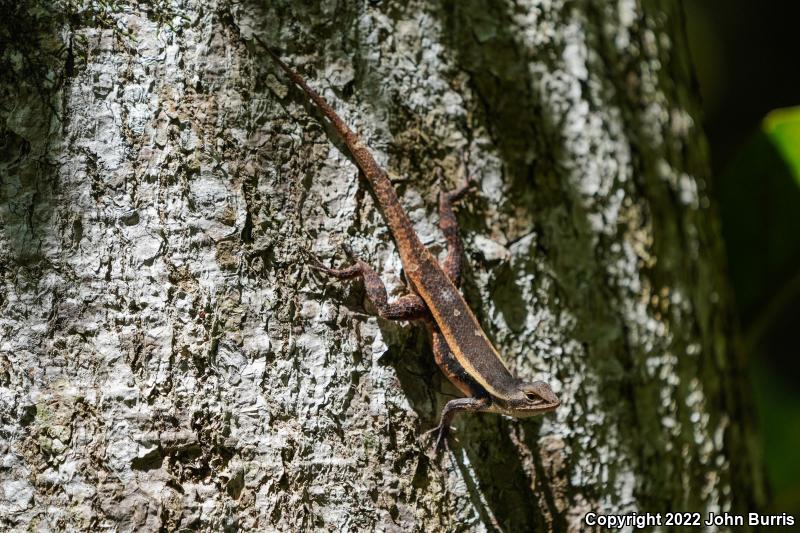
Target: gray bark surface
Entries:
(168, 360)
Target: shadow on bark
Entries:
(35, 65)
(509, 490)
(495, 476)
(482, 39)
(511, 478)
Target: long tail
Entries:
(384, 191)
(360, 153)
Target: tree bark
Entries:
(168, 360)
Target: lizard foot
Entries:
(349, 253)
(466, 187)
(340, 273)
(469, 185)
(440, 433)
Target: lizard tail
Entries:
(396, 217)
(360, 153)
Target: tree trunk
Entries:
(168, 359)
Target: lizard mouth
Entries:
(535, 408)
(540, 403)
(544, 405)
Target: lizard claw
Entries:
(340, 273)
(462, 190)
(316, 263)
(440, 432)
(349, 252)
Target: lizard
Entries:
(461, 348)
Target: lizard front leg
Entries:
(477, 399)
(451, 409)
(448, 223)
(407, 307)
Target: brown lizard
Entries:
(460, 346)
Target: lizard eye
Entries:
(531, 396)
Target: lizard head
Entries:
(531, 399)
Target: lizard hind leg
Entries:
(407, 307)
(448, 223)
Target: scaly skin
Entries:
(461, 348)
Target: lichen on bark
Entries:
(169, 360)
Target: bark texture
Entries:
(168, 359)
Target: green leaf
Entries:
(759, 199)
(782, 127)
